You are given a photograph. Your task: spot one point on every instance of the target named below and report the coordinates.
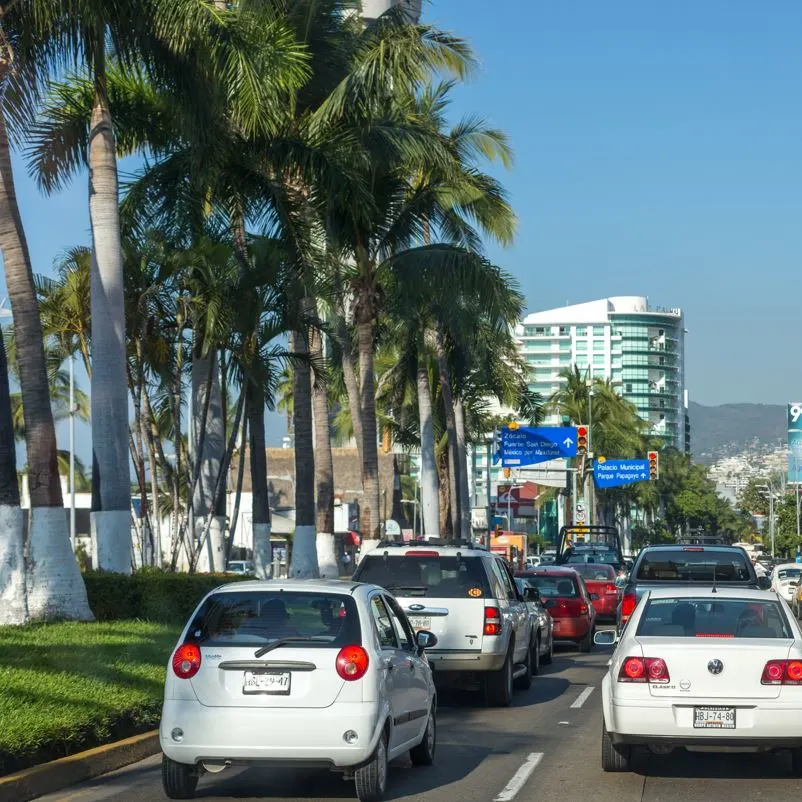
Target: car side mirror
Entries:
(594, 597)
(605, 637)
(532, 594)
(763, 582)
(425, 640)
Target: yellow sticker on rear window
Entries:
(474, 593)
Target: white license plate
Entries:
(714, 718)
(419, 624)
(275, 682)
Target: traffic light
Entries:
(581, 441)
(654, 466)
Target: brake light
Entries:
(611, 589)
(186, 661)
(644, 669)
(352, 663)
(492, 621)
(583, 608)
(421, 554)
(782, 672)
(628, 605)
(694, 548)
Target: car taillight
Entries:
(644, 669)
(583, 608)
(492, 621)
(628, 605)
(611, 588)
(186, 661)
(352, 663)
(782, 672)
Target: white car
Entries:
(785, 578)
(303, 672)
(706, 669)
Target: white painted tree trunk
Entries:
(327, 556)
(13, 601)
(429, 482)
(211, 556)
(262, 550)
(111, 509)
(304, 553)
(465, 501)
(55, 587)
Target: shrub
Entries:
(151, 595)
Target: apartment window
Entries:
(540, 330)
(598, 359)
(661, 332)
(581, 361)
(598, 331)
(598, 345)
(581, 331)
(629, 388)
(662, 402)
(563, 331)
(581, 346)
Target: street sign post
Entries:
(529, 445)
(618, 472)
(795, 442)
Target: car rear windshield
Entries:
(706, 618)
(423, 575)
(789, 573)
(583, 558)
(561, 586)
(694, 566)
(596, 573)
(256, 618)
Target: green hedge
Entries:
(157, 596)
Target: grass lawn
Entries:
(69, 686)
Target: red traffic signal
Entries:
(654, 466)
(581, 440)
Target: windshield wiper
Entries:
(283, 641)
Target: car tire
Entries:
(536, 657)
(524, 682)
(614, 758)
(498, 684)
(371, 779)
(179, 780)
(423, 753)
(548, 658)
(586, 644)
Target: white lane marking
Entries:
(563, 722)
(582, 698)
(520, 777)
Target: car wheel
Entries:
(371, 779)
(549, 656)
(423, 753)
(586, 644)
(614, 758)
(524, 682)
(536, 657)
(498, 684)
(179, 780)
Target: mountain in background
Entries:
(730, 429)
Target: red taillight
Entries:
(713, 635)
(352, 663)
(628, 605)
(694, 548)
(611, 588)
(492, 621)
(644, 669)
(583, 608)
(419, 553)
(782, 672)
(186, 661)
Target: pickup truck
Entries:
(684, 565)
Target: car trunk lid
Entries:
(457, 623)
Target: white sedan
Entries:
(706, 669)
(309, 673)
(785, 578)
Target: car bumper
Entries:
(570, 628)
(606, 607)
(244, 735)
(760, 724)
(442, 662)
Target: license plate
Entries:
(714, 718)
(273, 682)
(419, 624)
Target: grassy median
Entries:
(69, 686)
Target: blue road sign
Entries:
(795, 443)
(618, 472)
(529, 445)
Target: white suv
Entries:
(297, 672)
(468, 598)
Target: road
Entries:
(546, 746)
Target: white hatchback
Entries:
(708, 669)
(299, 673)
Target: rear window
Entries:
(694, 566)
(434, 576)
(256, 618)
(596, 573)
(553, 585)
(582, 558)
(789, 573)
(703, 618)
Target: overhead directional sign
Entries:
(618, 472)
(795, 443)
(529, 445)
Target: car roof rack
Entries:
(434, 543)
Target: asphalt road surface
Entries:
(546, 746)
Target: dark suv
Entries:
(662, 566)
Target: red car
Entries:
(600, 582)
(568, 602)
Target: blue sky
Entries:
(657, 153)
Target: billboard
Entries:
(795, 442)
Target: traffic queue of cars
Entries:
(704, 658)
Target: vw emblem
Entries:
(715, 666)
(416, 607)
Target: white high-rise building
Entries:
(373, 9)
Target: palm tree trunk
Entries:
(54, 584)
(304, 550)
(240, 476)
(429, 486)
(351, 381)
(13, 601)
(369, 512)
(111, 484)
(328, 563)
(454, 467)
(465, 503)
(262, 551)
